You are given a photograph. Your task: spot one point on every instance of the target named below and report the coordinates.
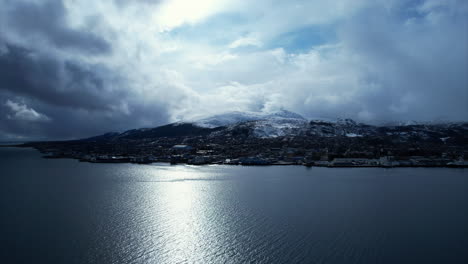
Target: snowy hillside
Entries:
(278, 127)
(285, 123)
(236, 117)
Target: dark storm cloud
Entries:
(69, 123)
(68, 84)
(48, 20)
(50, 89)
(79, 99)
(12, 128)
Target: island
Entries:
(283, 138)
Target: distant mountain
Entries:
(285, 123)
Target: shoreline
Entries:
(127, 160)
(257, 165)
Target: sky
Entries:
(72, 69)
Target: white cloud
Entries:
(174, 13)
(24, 113)
(362, 74)
(245, 41)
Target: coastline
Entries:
(129, 160)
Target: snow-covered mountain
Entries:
(277, 127)
(286, 123)
(231, 118)
(262, 125)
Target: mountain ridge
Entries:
(277, 124)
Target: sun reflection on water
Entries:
(184, 212)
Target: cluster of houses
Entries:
(215, 154)
(246, 150)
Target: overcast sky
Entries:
(77, 68)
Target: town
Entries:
(247, 150)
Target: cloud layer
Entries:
(71, 69)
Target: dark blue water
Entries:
(63, 211)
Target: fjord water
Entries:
(64, 211)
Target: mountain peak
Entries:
(286, 114)
(230, 118)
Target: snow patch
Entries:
(353, 135)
